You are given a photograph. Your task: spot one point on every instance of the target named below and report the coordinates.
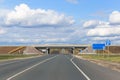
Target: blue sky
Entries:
(83, 9)
(24, 22)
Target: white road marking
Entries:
(79, 69)
(30, 68)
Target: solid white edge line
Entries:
(79, 69)
(30, 68)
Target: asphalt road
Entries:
(55, 67)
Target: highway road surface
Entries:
(55, 67)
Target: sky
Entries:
(31, 22)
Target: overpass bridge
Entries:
(61, 48)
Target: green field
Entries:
(112, 58)
(13, 56)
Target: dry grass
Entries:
(112, 58)
(12, 56)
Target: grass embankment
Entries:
(111, 58)
(13, 56)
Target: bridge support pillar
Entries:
(48, 50)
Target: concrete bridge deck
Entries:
(62, 45)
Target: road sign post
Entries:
(108, 43)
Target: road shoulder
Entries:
(111, 65)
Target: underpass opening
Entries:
(60, 51)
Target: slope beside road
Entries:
(55, 67)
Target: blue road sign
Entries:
(98, 46)
(108, 42)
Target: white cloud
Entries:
(2, 31)
(95, 23)
(72, 1)
(32, 35)
(92, 30)
(3, 13)
(90, 23)
(24, 16)
(99, 31)
(115, 17)
(106, 38)
(104, 31)
(105, 28)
